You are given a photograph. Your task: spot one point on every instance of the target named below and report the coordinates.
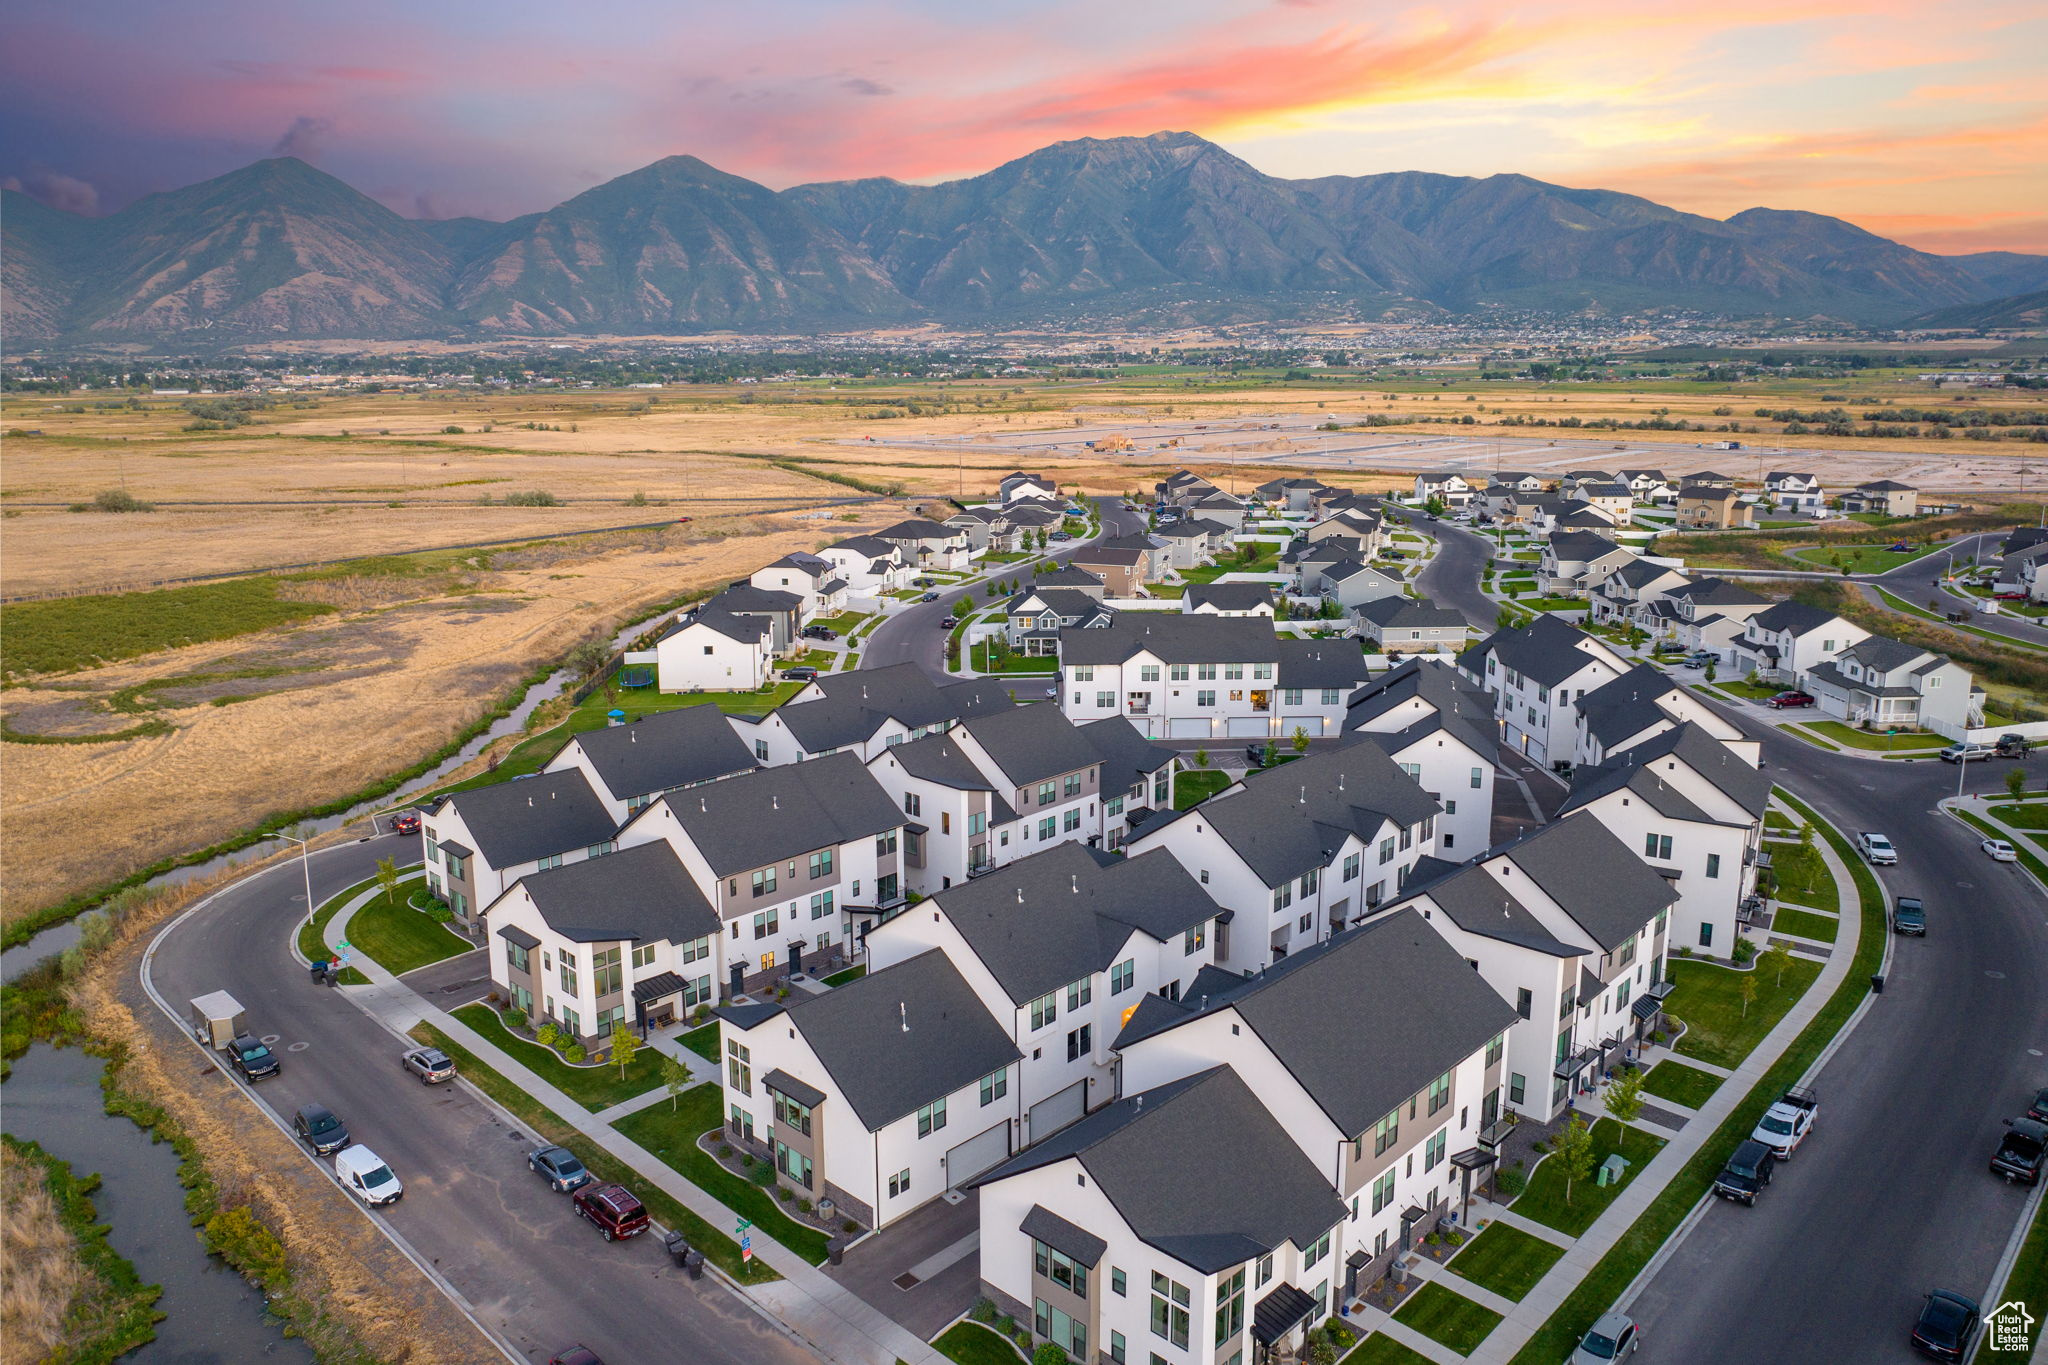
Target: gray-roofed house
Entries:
(626, 938)
(1035, 617)
(1058, 946)
(1569, 927)
(1376, 1046)
(630, 764)
(1231, 1241)
(1406, 625)
(1300, 850)
(1137, 776)
(1642, 704)
(1794, 490)
(1712, 507)
(1535, 673)
(480, 840)
(813, 578)
(870, 565)
(1174, 675)
(1712, 614)
(712, 650)
(1017, 484)
(864, 711)
(783, 611)
(1349, 583)
(1628, 595)
(879, 1095)
(1782, 643)
(1887, 497)
(1575, 561)
(1892, 684)
(1439, 728)
(1228, 599)
(926, 544)
(1193, 541)
(1317, 678)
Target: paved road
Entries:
(1452, 578)
(1891, 1196)
(913, 635)
(1919, 582)
(536, 1275)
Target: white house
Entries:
(813, 579)
(1317, 678)
(629, 765)
(1194, 541)
(1447, 484)
(1351, 584)
(1712, 614)
(870, 566)
(1888, 497)
(1783, 643)
(480, 840)
(1641, 704)
(1404, 625)
(1228, 599)
(1439, 729)
(715, 651)
(783, 611)
(1534, 673)
(1632, 592)
(924, 544)
(1017, 484)
(879, 1095)
(1890, 683)
(865, 711)
(1174, 675)
(1574, 561)
(1036, 616)
(1794, 491)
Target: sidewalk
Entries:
(826, 1317)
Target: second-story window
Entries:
(821, 864)
(764, 883)
(604, 970)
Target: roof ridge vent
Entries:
(903, 1013)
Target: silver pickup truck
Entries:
(1785, 1124)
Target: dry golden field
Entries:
(44, 1273)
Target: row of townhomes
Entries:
(1590, 499)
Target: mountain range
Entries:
(1166, 229)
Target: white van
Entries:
(363, 1174)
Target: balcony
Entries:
(1575, 1063)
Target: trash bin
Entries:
(836, 1250)
(1877, 984)
(695, 1262)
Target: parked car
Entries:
(929, 597)
(363, 1174)
(1393, 554)
(2038, 1110)
(1062, 535)
(1746, 1173)
(1908, 917)
(948, 622)
(576, 1355)
(613, 1208)
(1876, 849)
(1899, 547)
(1947, 1326)
(1785, 1124)
(319, 1129)
(801, 673)
(1613, 1336)
(2008, 597)
(406, 822)
(1700, 658)
(430, 1064)
(2011, 746)
(560, 1168)
(1785, 699)
(2000, 851)
(1965, 753)
(818, 633)
(2018, 1157)
(252, 1058)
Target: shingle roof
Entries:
(940, 759)
(1638, 573)
(1069, 603)
(1046, 921)
(1716, 762)
(1884, 486)
(917, 528)
(1477, 903)
(850, 707)
(1313, 664)
(1067, 576)
(1173, 638)
(1031, 743)
(1547, 649)
(1627, 705)
(1580, 544)
(1465, 710)
(536, 817)
(1043, 1225)
(774, 813)
(744, 598)
(887, 1070)
(747, 630)
(1291, 818)
(643, 893)
(1229, 596)
(677, 748)
(1127, 756)
(1362, 1021)
(1716, 592)
(1579, 863)
(1797, 617)
(1198, 1169)
(871, 546)
(1406, 613)
(1882, 653)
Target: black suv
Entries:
(1746, 1173)
(319, 1129)
(251, 1057)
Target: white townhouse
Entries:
(1365, 526)
(865, 711)
(1783, 643)
(788, 858)
(1306, 559)
(1296, 495)
(1534, 674)
(1614, 501)
(959, 824)
(1219, 507)
(1300, 850)
(1573, 561)
(623, 939)
(1017, 484)
(1794, 491)
(1404, 625)
(1569, 927)
(1312, 1035)
(877, 1096)
(1446, 484)
(1182, 488)
(1694, 809)
(783, 611)
(1644, 484)
(1641, 704)
(1136, 779)
(1890, 683)
(1228, 599)
(925, 544)
(628, 765)
(868, 565)
(479, 841)
(814, 579)
(1317, 678)
(1176, 1225)
(1631, 595)
(1175, 676)
(1035, 617)
(1059, 948)
(1439, 729)
(1713, 613)
(715, 651)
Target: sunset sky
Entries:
(1928, 123)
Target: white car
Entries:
(363, 1174)
(1876, 849)
(2000, 851)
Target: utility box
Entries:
(216, 1019)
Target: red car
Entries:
(405, 822)
(2009, 596)
(1784, 699)
(613, 1208)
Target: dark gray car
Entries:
(317, 1127)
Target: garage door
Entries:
(1187, 729)
(1055, 1112)
(977, 1154)
(1312, 724)
(1248, 726)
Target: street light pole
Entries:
(305, 869)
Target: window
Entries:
(1262, 672)
(1194, 939)
(1433, 1150)
(604, 971)
(1048, 792)
(1170, 1301)
(1518, 1086)
(1439, 1092)
(1413, 770)
(739, 1067)
(1117, 1348)
(1117, 1284)
(1070, 821)
(599, 850)
(1408, 836)
(568, 965)
(1351, 868)
(1524, 1001)
(1148, 672)
(821, 905)
(1229, 1306)
(885, 844)
(1233, 673)
(1178, 672)
(1071, 785)
(1045, 1009)
(1319, 1249)
(1113, 806)
(767, 922)
(1386, 850)
(1048, 827)
(977, 823)
(1383, 1191)
(1084, 673)
(1331, 695)
(1205, 672)
(1122, 975)
(697, 949)
(899, 1184)
(761, 750)
(1309, 881)
(1495, 1048)
(1061, 1330)
(1205, 698)
(790, 1114)
(994, 1086)
(1283, 896)
(1264, 1272)
(1105, 700)
(1706, 936)
(1657, 846)
(1386, 1133)
(643, 955)
(764, 883)
(1290, 696)
(1713, 864)
(433, 849)
(517, 957)
(1621, 995)
(1060, 1268)
(1080, 1042)
(913, 803)
(1080, 993)
(931, 1118)
(552, 860)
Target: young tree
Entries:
(625, 1045)
(387, 878)
(1300, 740)
(1748, 992)
(1775, 959)
(1625, 1095)
(1573, 1152)
(1201, 758)
(2015, 782)
(1711, 671)
(588, 657)
(675, 1077)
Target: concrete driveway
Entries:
(923, 1271)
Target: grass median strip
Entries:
(399, 938)
(1601, 1286)
(1193, 788)
(2027, 859)
(1381, 1349)
(1447, 1316)
(593, 1087)
(1681, 1084)
(718, 1248)
(1804, 924)
(1802, 877)
(313, 935)
(1721, 1026)
(1506, 1260)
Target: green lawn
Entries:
(313, 935)
(1777, 819)
(1805, 924)
(1721, 1030)
(1555, 603)
(1266, 561)
(718, 1247)
(1506, 1260)
(78, 632)
(1196, 786)
(593, 1087)
(1544, 1200)
(850, 974)
(2031, 816)
(981, 661)
(1749, 690)
(1681, 1084)
(972, 1344)
(1905, 741)
(1446, 1316)
(672, 1136)
(1381, 1349)
(1859, 558)
(399, 938)
(703, 1041)
(1802, 876)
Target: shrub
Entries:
(119, 500)
(1049, 1354)
(1744, 950)
(1323, 1351)
(782, 1193)
(848, 1225)
(1512, 1181)
(984, 1310)
(803, 1206)
(725, 1149)
(747, 1159)
(573, 1053)
(235, 1235)
(763, 1174)
(547, 1035)
(451, 431)
(1007, 1325)
(440, 914)
(538, 497)
(515, 1018)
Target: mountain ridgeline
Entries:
(1167, 230)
